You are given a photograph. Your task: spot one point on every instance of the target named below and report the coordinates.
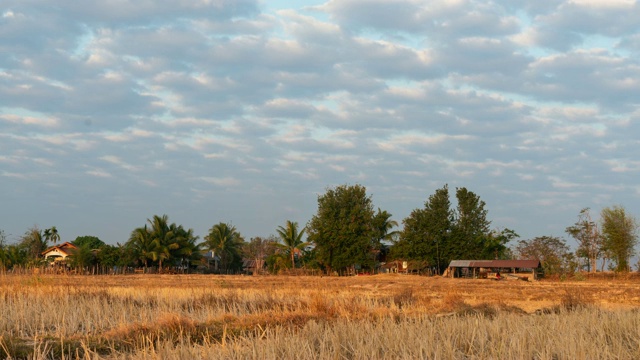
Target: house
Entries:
(510, 269)
(395, 267)
(253, 266)
(60, 252)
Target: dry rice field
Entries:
(280, 317)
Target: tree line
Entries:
(346, 234)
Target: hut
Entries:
(509, 269)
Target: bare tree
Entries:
(589, 239)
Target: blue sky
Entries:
(245, 111)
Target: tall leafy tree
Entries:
(471, 228)
(426, 232)
(437, 234)
(342, 228)
(92, 242)
(589, 238)
(226, 242)
(619, 230)
(291, 239)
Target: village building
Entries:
(482, 269)
(58, 253)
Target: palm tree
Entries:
(382, 225)
(291, 239)
(187, 251)
(142, 245)
(224, 240)
(163, 238)
(52, 234)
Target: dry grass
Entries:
(385, 316)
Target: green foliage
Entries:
(226, 243)
(82, 257)
(342, 230)
(163, 243)
(382, 226)
(141, 245)
(552, 251)
(426, 231)
(292, 240)
(437, 234)
(91, 241)
(109, 255)
(32, 243)
(619, 231)
(470, 230)
(51, 234)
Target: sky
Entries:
(245, 111)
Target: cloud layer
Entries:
(234, 111)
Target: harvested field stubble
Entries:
(384, 316)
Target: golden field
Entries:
(286, 317)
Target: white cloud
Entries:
(617, 4)
(529, 104)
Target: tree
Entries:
(383, 225)
(436, 234)
(427, 231)
(4, 257)
(291, 239)
(225, 241)
(260, 247)
(342, 228)
(141, 245)
(163, 243)
(619, 231)
(52, 235)
(589, 239)
(187, 252)
(33, 243)
(91, 241)
(162, 239)
(81, 257)
(551, 251)
(110, 256)
(471, 228)
(495, 244)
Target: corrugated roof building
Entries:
(521, 269)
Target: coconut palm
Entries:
(141, 243)
(383, 224)
(225, 241)
(187, 252)
(51, 234)
(291, 239)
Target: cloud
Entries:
(221, 110)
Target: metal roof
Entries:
(526, 264)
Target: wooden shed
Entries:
(508, 269)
